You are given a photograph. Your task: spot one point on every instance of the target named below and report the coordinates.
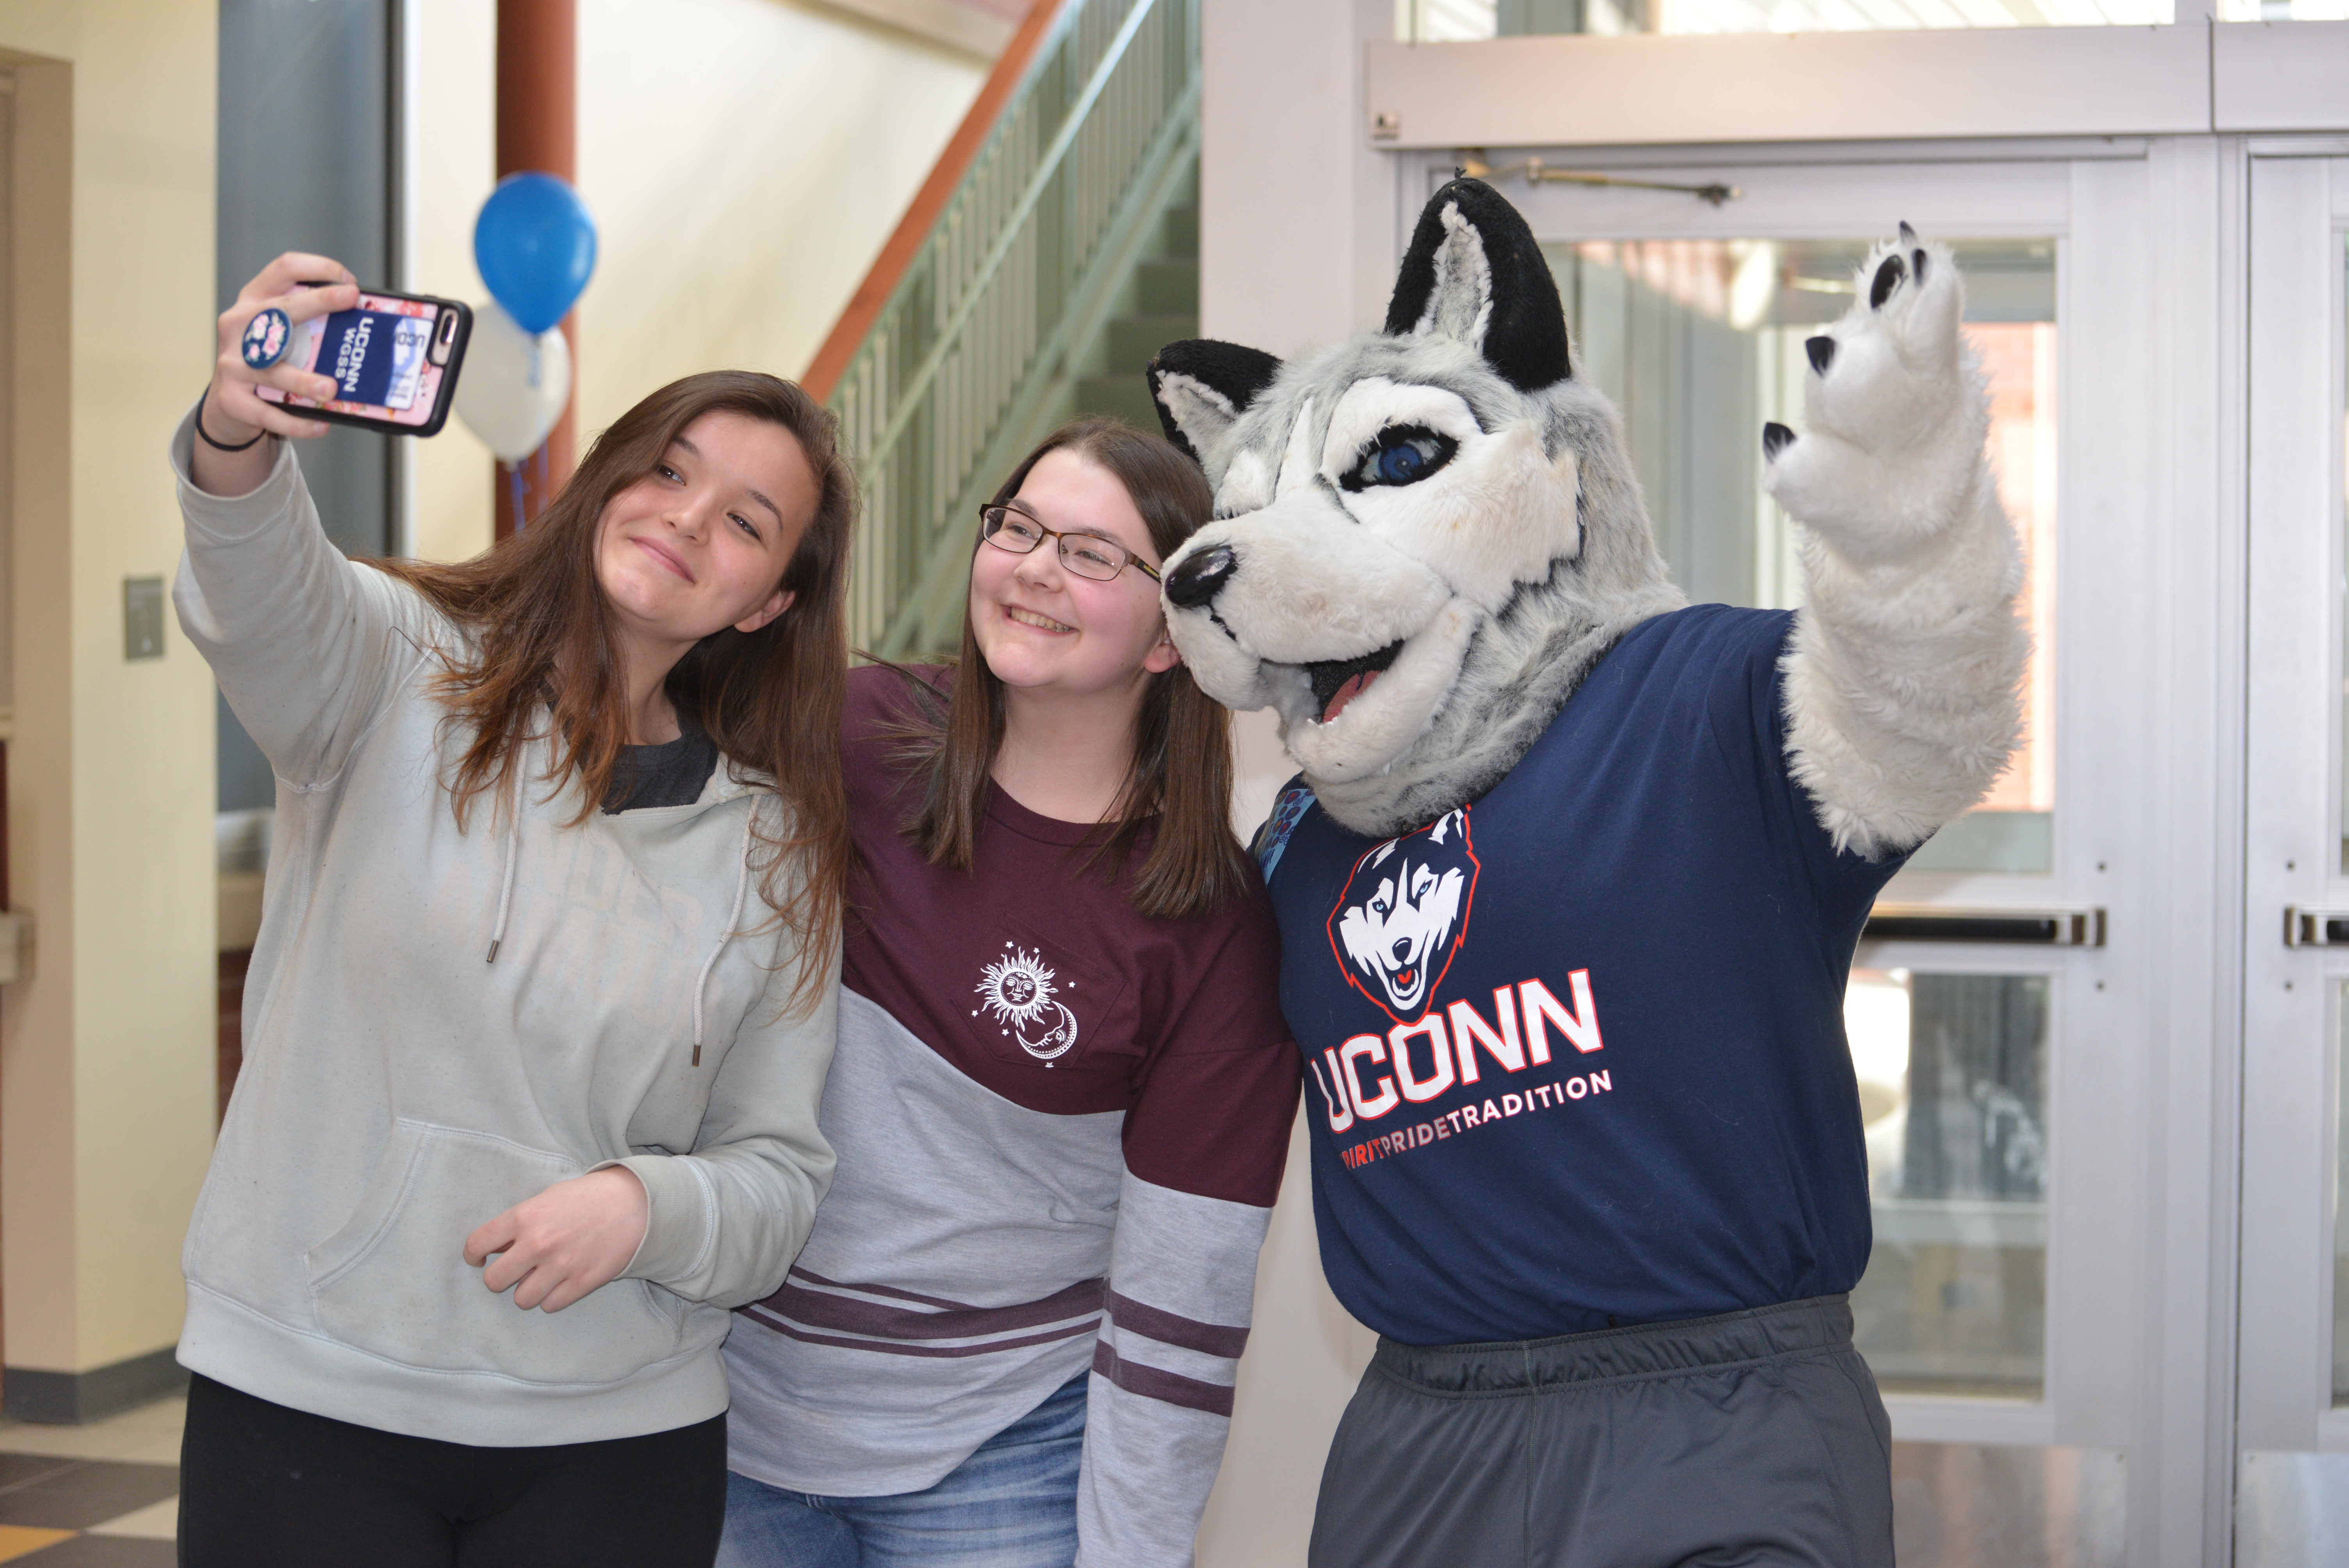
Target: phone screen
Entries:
(381, 355)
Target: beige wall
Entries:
(744, 161)
(106, 1051)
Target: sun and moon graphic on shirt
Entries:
(1017, 989)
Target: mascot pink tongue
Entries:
(1353, 689)
(1567, 903)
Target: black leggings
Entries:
(261, 1486)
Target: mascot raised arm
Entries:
(1568, 886)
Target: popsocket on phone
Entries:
(265, 337)
(392, 357)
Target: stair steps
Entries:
(1158, 306)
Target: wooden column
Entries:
(538, 128)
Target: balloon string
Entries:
(514, 473)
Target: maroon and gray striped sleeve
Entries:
(1205, 1142)
(1182, 1286)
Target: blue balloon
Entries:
(535, 246)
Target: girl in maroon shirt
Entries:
(1063, 1089)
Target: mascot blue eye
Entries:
(1402, 455)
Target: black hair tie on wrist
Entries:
(219, 446)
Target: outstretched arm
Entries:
(1902, 679)
(306, 644)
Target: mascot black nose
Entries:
(1197, 581)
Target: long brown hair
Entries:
(1181, 768)
(541, 636)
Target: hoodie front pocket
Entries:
(394, 1281)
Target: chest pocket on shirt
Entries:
(1041, 1000)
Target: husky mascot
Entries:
(1569, 888)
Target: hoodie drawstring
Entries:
(742, 888)
(513, 857)
(734, 919)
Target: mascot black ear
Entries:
(1474, 274)
(1202, 387)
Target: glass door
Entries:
(1698, 342)
(2293, 1391)
(2002, 1081)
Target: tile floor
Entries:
(106, 1495)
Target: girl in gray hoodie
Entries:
(530, 1084)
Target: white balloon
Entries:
(512, 386)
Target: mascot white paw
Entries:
(1900, 689)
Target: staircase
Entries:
(1158, 304)
(1051, 252)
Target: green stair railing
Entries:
(973, 354)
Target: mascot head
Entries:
(1424, 537)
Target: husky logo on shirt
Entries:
(1017, 989)
(1404, 913)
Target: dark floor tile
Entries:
(78, 1493)
(103, 1552)
(17, 1469)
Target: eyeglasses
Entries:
(1086, 555)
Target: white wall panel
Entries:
(2279, 76)
(1810, 87)
(1298, 242)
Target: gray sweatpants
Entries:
(1752, 1439)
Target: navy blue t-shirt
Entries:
(1576, 1050)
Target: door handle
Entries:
(2315, 927)
(2026, 927)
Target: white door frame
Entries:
(2143, 1043)
(2298, 212)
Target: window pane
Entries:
(1700, 341)
(1952, 1074)
(1443, 21)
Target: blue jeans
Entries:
(1013, 1504)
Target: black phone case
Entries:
(441, 405)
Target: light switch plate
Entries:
(142, 617)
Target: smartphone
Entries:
(396, 356)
